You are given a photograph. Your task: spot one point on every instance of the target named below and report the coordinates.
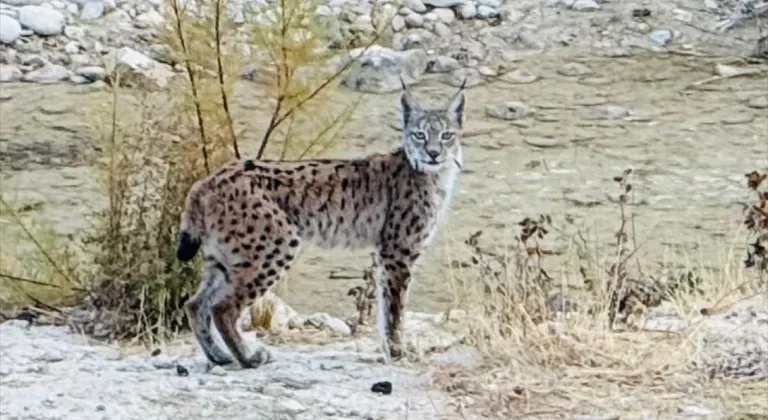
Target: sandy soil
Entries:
(690, 149)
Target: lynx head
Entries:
(431, 136)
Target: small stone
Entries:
(661, 37)
(398, 23)
(445, 15)
(9, 73)
(218, 371)
(5, 96)
(611, 112)
(509, 110)
(442, 30)
(468, 11)
(416, 5)
(694, 410)
(291, 407)
(487, 71)
(10, 29)
(92, 10)
(468, 77)
(73, 47)
(444, 3)
(758, 102)
(443, 64)
(49, 73)
(520, 76)
(74, 32)
(490, 3)
(574, 70)
(414, 20)
(541, 142)
(181, 371)
(274, 390)
(42, 20)
(585, 5)
(384, 387)
(486, 12)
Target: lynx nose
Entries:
(433, 154)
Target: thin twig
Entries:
(40, 283)
(220, 71)
(193, 84)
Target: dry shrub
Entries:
(551, 349)
(156, 143)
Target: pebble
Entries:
(92, 10)
(445, 3)
(291, 407)
(398, 23)
(661, 37)
(442, 30)
(611, 112)
(10, 29)
(414, 20)
(416, 6)
(520, 76)
(443, 64)
(541, 142)
(468, 11)
(9, 73)
(585, 5)
(49, 73)
(508, 110)
(486, 12)
(445, 15)
(42, 20)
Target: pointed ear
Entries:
(408, 107)
(456, 108)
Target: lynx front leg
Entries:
(392, 281)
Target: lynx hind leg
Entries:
(392, 282)
(262, 253)
(199, 317)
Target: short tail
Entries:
(192, 225)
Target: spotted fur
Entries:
(251, 218)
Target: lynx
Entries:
(251, 217)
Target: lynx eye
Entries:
(447, 136)
(420, 136)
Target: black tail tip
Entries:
(188, 247)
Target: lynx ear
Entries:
(456, 108)
(409, 106)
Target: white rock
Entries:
(74, 32)
(431, 17)
(142, 67)
(323, 320)
(49, 73)
(398, 23)
(445, 15)
(414, 20)
(290, 407)
(445, 3)
(585, 5)
(324, 10)
(485, 12)
(415, 5)
(19, 3)
(491, 3)
(661, 37)
(442, 30)
(611, 112)
(92, 10)
(42, 20)
(73, 47)
(443, 64)
(151, 18)
(9, 73)
(92, 73)
(10, 29)
(468, 11)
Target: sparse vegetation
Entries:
(156, 142)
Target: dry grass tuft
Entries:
(551, 350)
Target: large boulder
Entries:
(380, 69)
